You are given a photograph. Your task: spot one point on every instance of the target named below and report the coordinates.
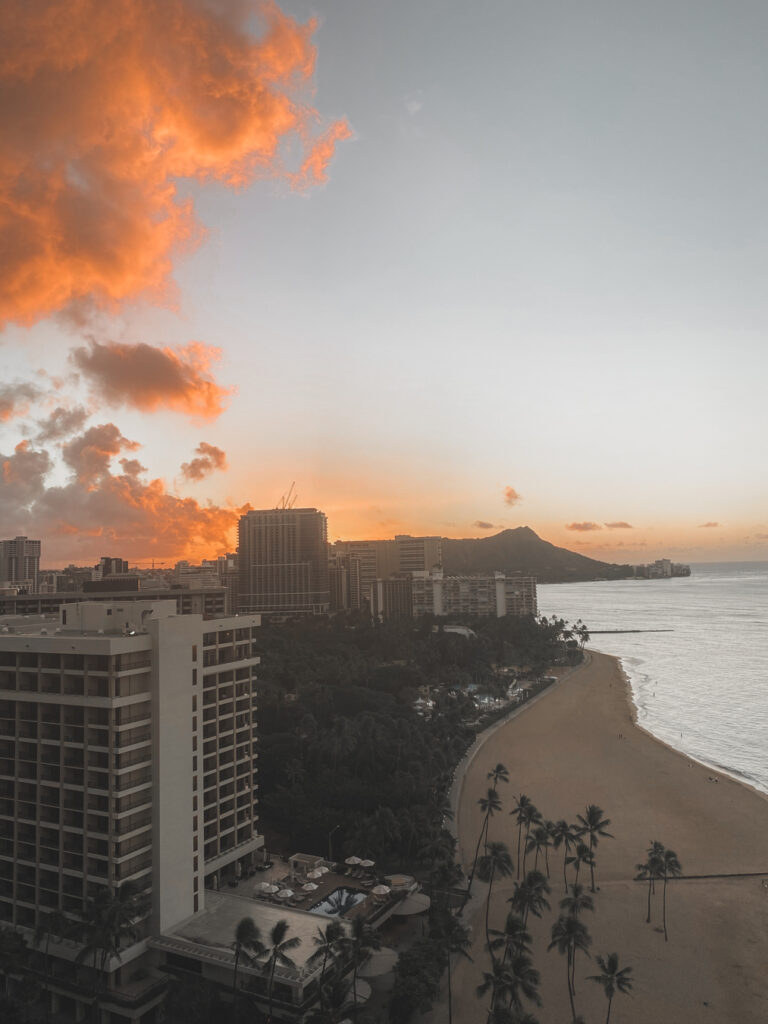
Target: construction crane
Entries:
(287, 501)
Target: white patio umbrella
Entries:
(381, 890)
(264, 887)
(317, 873)
(352, 861)
(285, 894)
(367, 863)
(309, 887)
(323, 869)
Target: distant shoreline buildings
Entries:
(661, 569)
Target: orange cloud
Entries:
(209, 458)
(583, 527)
(97, 507)
(150, 378)
(511, 497)
(60, 423)
(707, 526)
(481, 524)
(620, 525)
(106, 106)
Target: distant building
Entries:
(108, 566)
(383, 559)
(661, 569)
(283, 562)
(497, 595)
(20, 562)
(208, 603)
(344, 582)
(392, 598)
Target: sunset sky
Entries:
(449, 267)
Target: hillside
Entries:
(522, 550)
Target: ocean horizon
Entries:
(700, 683)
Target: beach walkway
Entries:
(575, 745)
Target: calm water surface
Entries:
(702, 688)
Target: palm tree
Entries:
(362, 942)
(670, 868)
(496, 861)
(512, 981)
(327, 944)
(517, 812)
(53, 925)
(650, 871)
(563, 835)
(594, 824)
(530, 895)
(530, 816)
(582, 855)
(489, 805)
(247, 943)
(109, 921)
(498, 774)
(539, 840)
(568, 935)
(513, 937)
(457, 941)
(577, 901)
(611, 978)
(277, 953)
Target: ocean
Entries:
(703, 686)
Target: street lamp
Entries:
(330, 836)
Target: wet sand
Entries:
(565, 752)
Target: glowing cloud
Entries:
(150, 378)
(620, 525)
(707, 526)
(482, 525)
(209, 458)
(583, 527)
(16, 398)
(61, 423)
(103, 107)
(511, 497)
(97, 506)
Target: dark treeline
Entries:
(342, 743)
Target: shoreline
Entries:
(724, 772)
(579, 743)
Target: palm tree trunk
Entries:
(487, 910)
(592, 865)
(474, 863)
(608, 1015)
(271, 988)
(568, 979)
(648, 917)
(664, 908)
(519, 834)
(565, 876)
(450, 996)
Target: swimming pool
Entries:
(338, 903)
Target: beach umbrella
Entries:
(285, 894)
(381, 890)
(352, 861)
(323, 869)
(367, 863)
(309, 887)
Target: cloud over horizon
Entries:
(97, 507)
(481, 524)
(620, 525)
(511, 496)
(585, 527)
(208, 459)
(150, 379)
(708, 526)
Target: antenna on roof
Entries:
(287, 501)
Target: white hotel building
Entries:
(127, 753)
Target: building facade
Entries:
(497, 595)
(127, 754)
(282, 559)
(20, 562)
(383, 559)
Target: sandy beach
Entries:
(565, 752)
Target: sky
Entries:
(452, 268)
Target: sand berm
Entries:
(564, 751)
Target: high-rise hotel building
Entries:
(282, 557)
(127, 753)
